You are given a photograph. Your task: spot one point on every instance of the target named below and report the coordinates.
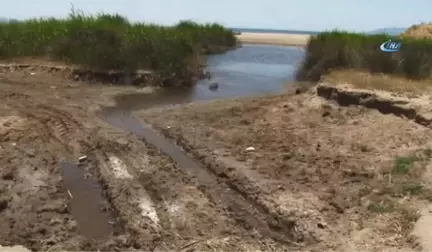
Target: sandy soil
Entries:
(274, 39)
(347, 178)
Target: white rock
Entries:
(83, 158)
(13, 248)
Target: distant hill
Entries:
(5, 20)
(390, 31)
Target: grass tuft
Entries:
(403, 164)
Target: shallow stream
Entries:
(249, 70)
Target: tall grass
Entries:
(112, 42)
(341, 50)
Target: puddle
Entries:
(87, 205)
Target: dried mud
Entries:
(326, 168)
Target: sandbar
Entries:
(274, 38)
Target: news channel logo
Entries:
(391, 46)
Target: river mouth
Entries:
(250, 70)
(247, 71)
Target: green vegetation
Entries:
(341, 50)
(403, 164)
(112, 42)
(382, 207)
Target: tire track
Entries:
(243, 211)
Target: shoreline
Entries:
(274, 39)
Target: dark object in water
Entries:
(213, 85)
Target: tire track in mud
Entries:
(88, 202)
(61, 125)
(68, 131)
(245, 212)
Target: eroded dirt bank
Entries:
(348, 178)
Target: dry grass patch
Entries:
(419, 31)
(365, 80)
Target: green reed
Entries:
(342, 50)
(108, 41)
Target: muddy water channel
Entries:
(250, 70)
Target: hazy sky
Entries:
(359, 15)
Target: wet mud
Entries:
(87, 203)
(217, 190)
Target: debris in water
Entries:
(32, 73)
(213, 85)
(13, 144)
(250, 148)
(70, 194)
(82, 159)
(168, 127)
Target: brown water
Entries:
(87, 205)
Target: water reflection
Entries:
(250, 70)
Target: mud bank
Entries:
(327, 169)
(414, 108)
(137, 78)
(47, 119)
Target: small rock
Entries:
(208, 75)
(8, 175)
(82, 159)
(30, 153)
(168, 127)
(213, 85)
(3, 204)
(55, 221)
(325, 113)
(250, 148)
